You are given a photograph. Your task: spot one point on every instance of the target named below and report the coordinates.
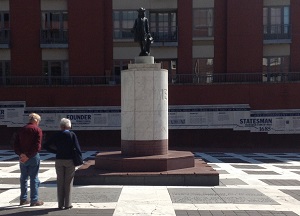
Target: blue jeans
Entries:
(30, 169)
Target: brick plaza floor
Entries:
(250, 184)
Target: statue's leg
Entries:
(142, 47)
(147, 49)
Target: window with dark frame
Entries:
(276, 68)
(4, 72)
(54, 27)
(55, 72)
(203, 22)
(276, 21)
(123, 22)
(4, 27)
(163, 26)
(203, 70)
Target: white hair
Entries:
(33, 117)
(66, 123)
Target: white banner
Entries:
(11, 113)
(82, 118)
(232, 116)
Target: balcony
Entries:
(165, 36)
(174, 79)
(277, 34)
(54, 38)
(4, 38)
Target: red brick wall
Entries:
(86, 37)
(244, 36)
(295, 46)
(185, 43)
(25, 22)
(220, 36)
(258, 96)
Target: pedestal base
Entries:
(115, 161)
(144, 148)
(200, 175)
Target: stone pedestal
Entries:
(144, 109)
(144, 158)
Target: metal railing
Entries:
(275, 32)
(4, 36)
(161, 34)
(165, 34)
(177, 79)
(54, 36)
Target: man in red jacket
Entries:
(27, 145)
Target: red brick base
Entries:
(144, 148)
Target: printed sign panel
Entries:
(231, 116)
(11, 113)
(82, 118)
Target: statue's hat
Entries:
(141, 9)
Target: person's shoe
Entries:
(24, 202)
(37, 203)
(69, 207)
(61, 208)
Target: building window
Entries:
(119, 65)
(56, 72)
(275, 69)
(123, 23)
(276, 21)
(163, 26)
(171, 66)
(54, 29)
(203, 70)
(203, 22)
(4, 72)
(4, 28)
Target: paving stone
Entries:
(269, 160)
(260, 172)
(194, 195)
(2, 190)
(222, 172)
(234, 181)
(41, 170)
(10, 181)
(55, 211)
(246, 196)
(233, 160)
(247, 166)
(50, 181)
(82, 195)
(12, 159)
(7, 164)
(47, 165)
(288, 167)
(293, 193)
(281, 182)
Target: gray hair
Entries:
(66, 123)
(33, 117)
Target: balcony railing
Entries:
(178, 79)
(275, 32)
(54, 36)
(4, 36)
(165, 34)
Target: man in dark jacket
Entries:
(141, 33)
(27, 145)
(64, 144)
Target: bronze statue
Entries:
(141, 33)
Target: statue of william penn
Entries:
(141, 32)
